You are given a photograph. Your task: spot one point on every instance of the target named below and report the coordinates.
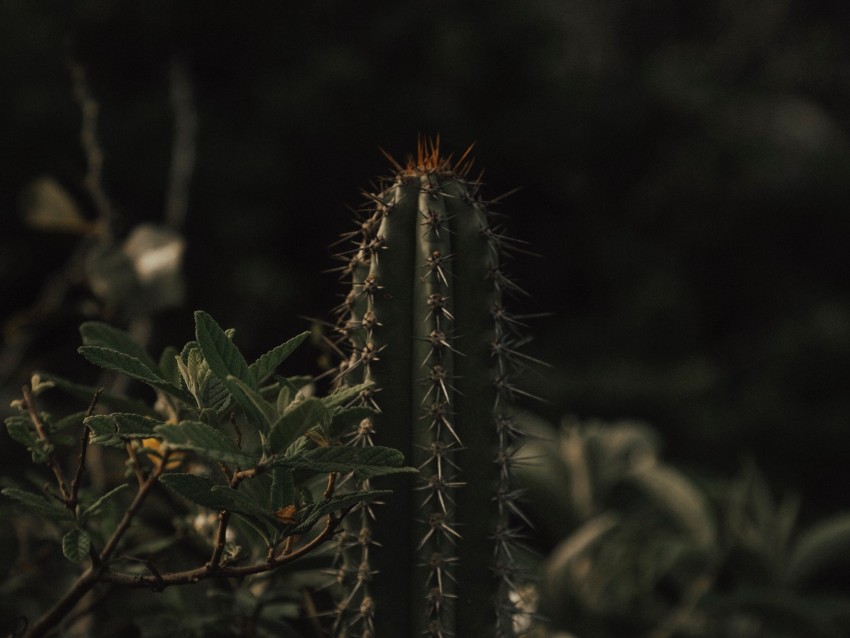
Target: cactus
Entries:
(424, 322)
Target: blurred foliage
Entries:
(636, 547)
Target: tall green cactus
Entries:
(424, 321)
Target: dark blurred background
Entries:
(683, 170)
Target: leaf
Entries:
(311, 514)
(76, 545)
(21, 430)
(222, 356)
(252, 401)
(820, 548)
(204, 440)
(265, 365)
(296, 421)
(99, 504)
(123, 425)
(132, 367)
(69, 421)
(282, 488)
(38, 503)
(365, 462)
(194, 488)
(237, 501)
(96, 333)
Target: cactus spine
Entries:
(424, 321)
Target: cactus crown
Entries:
(423, 322)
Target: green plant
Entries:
(424, 325)
(224, 436)
(639, 549)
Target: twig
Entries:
(224, 571)
(84, 444)
(52, 463)
(221, 531)
(144, 489)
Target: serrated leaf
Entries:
(344, 395)
(38, 503)
(282, 488)
(365, 462)
(284, 398)
(76, 545)
(85, 393)
(252, 401)
(132, 367)
(313, 513)
(99, 504)
(194, 488)
(299, 418)
(222, 356)
(205, 441)
(240, 502)
(96, 333)
(265, 365)
(123, 425)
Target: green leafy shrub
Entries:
(250, 456)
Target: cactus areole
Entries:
(423, 321)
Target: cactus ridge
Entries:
(424, 321)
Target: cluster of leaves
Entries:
(233, 438)
(638, 548)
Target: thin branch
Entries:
(52, 463)
(223, 571)
(221, 532)
(141, 494)
(84, 444)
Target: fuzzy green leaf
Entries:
(132, 367)
(240, 502)
(365, 462)
(282, 488)
(99, 504)
(205, 441)
(122, 425)
(222, 356)
(38, 503)
(76, 545)
(265, 365)
(96, 333)
(294, 422)
(251, 401)
(314, 512)
(194, 488)
(69, 421)
(20, 428)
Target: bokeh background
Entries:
(684, 173)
